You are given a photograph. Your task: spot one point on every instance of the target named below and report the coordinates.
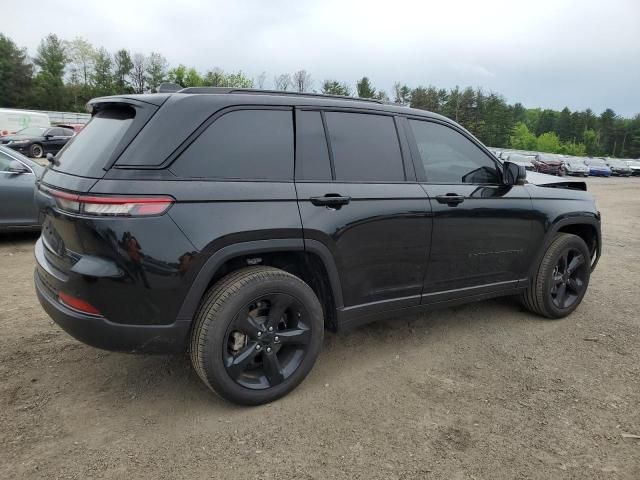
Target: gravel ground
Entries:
(484, 391)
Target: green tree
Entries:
(81, 57)
(546, 122)
(572, 148)
(15, 74)
(51, 59)
(333, 87)
(238, 80)
(549, 142)
(364, 88)
(178, 75)
(402, 94)
(521, 138)
(214, 78)
(123, 66)
(102, 77)
(156, 70)
(193, 78)
(564, 126)
(138, 75)
(590, 139)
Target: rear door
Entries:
(358, 198)
(481, 228)
(17, 207)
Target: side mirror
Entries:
(17, 167)
(48, 136)
(51, 158)
(513, 174)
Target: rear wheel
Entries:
(562, 278)
(257, 335)
(36, 151)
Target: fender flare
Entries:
(592, 219)
(215, 261)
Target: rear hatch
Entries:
(89, 236)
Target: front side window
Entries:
(450, 157)
(365, 147)
(242, 144)
(5, 161)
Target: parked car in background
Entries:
(634, 165)
(548, 163)
(575, 166)
(618, 167)
(18, 177)
(598, 167)
(36, 142)
(13, 120)
(524, 160)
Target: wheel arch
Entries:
(311, 261)
(586, 227)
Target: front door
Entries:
(356, 199)
(481, 228)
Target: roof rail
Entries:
(255, 91)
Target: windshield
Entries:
(32, 131)
(597, 162)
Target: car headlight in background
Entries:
(18, 142)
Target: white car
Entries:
(634, 165)
(575, 166)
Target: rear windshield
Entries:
(88, 153)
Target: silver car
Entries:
(18, 177)
(575, 166)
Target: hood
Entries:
(6, 138)
(551, 161)
(544, 180)
(599, 167)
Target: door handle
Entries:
(330, 200)
(451, 199)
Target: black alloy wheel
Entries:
(561, 280)
(257, 335)
(266, 341)
(569, 278)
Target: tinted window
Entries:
(5, 160)
(449, 157)
(65, 132)
(243, 144)
(365, 147)
(312, 161)
(88, 152)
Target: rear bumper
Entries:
(101, 333)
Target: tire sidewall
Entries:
(33, 148)
(214, 369)
(571, 242)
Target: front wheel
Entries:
(562, 278)
(257, 335)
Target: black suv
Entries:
(238, 224)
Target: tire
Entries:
(553, 280)
(232, 335)
(36, 151)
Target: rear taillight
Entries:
(111, 205)
(78, 304)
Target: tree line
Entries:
(63, 75)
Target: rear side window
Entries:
(87, 153)
(312, 154)
(450, 157)
(242, 144)
(365, 147)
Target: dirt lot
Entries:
(484, 391)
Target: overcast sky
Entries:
(543, 53)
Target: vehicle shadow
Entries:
(169, 379)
